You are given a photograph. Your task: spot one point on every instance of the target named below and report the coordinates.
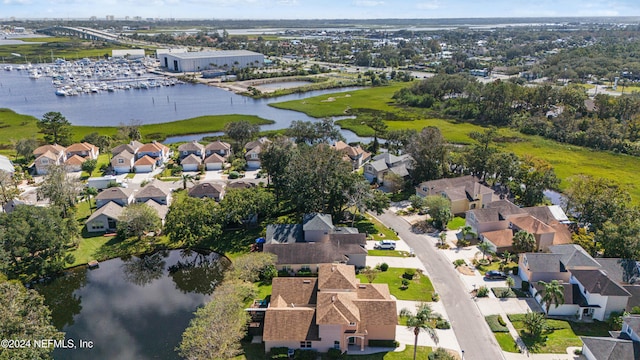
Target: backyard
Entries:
(418, 289)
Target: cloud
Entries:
(16, 2)
(369, 3)
(430, 5)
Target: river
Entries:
(133, 308)
(155, 105)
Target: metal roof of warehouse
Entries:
(209, 54)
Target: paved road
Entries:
(472, 332)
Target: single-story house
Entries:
(105, 218)
(332, 311)
(144, 164)
(118, 195)
(191, 162)
(154, 193)
(209, 190)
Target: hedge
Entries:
(495, 323)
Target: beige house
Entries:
(123, 162)
(191, 148)
(131, 148)
(354, 154)
(332, 311)
(214, 162)
(465, 193)
(120, 196)
(85, 150)
(218, 147)
(105, 218)
(74, 163)
(152, 192)
(145, 164)
(48, 155)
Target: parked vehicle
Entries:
(385, 245)
(495, 275)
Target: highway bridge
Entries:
(83, 33)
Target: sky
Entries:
(315, 9)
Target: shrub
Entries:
(305, 354)
(443, 246)
(234, 174)
(463, 243)
(443, 324)
(441, 354)
(459, 262)
(615, 321)
(304, 272)
(405, 283)
(384, 343)
(279, 353)
(496, 323)
(524, 286)
(482, 291)
(577, 351)
(334, 354)
(384, 267)
(283, 273)
(409, 274)
(635, 310)
(435, 297)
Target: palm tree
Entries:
(553, 292)
(524, 241)
(186, 178)
(443, 237)
(88, 192)
(421, 321)
(467, 232)
(484, 248)
(507, 256)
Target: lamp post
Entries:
(462, 354)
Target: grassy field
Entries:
(567, 160)
(561, 334)
(422, 353)
(419, 289)
(374, 229)
(18, 126)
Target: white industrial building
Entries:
(206, 60)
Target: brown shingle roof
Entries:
(113, 193)
(336, 308)
(295, 290)
(152, 147)
(214, 159)
(207, 189)
(55, 148)
(151, 191)
(191, 159)
(110, 210)
(312, 253)
(290, 324)
(75, 160)
(131, 147)
(530, 224)
(84, 146)
(145, 160)
(500, 238)
(191, 146)
(336, 276)
(217, 146)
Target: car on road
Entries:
(385, 245)
(495, 275)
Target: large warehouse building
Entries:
(206, 60)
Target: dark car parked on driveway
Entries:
(495, 275)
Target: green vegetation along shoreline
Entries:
(567, 160)
(17, 126)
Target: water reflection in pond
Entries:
(133, 308)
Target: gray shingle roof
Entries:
(596, 281)
(110, 210)
(574, 256)
(604, 348)
(151, 191)
(313, 222)
(544, 262)
(284, 233)
(114, 193)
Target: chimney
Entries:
(333, 298)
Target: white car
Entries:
(385, 245)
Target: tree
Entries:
(394, 182)
(429, 152)
(524, 241)
(439, 209)
(8, 188)
(61, 189)
(191, 221)
(252, 267)
(25, 147)
(274, 159)
(379, 127)
(24, 316)
(241, 132)
(478, 156)
(89, 192)
(586, 240)
(89, 165)
(532, 179)
(421, 321)
(246, 206)
(217, 328)
(595, 200)
(310, 133)
(137, 219)
(56, 128)
(535, 324)
(103, 142)
(370, 273)
(621, 237)
(553, 293)
(33, 241)
(468, 233)
(130, 131)
(484, 248)
(186, 179)
(397, 140)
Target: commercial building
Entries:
(207, 60)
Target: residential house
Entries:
(118, 195)
(160, 209)
(622, 345)
(84, 150)
(254, 149)
(154, 193)
(105, 218)
(208, 190)
(218, 147)
(332, 311)
(74, 163)
(191, 148)
(131, 148)
(241, 184)
(145, 164)
(385, 163)
(123, 162)
(214, 162)
(191, 163)
(155, 150)
(316, 240)
(590, 293)
(354, 154)
(464, 193)
(48, 155)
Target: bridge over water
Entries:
(83, 33)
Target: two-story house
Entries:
(622, 345)
(84, 150)
(464, 193)
(123, 162)
(191, 148)
(155, 150)
(218, 147)
(48, 155)
(354, 154)
(332, 311)
(385, 163)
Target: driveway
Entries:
(469, 326)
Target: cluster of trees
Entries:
(559, 113)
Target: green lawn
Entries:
(418, 290)
(393, 253)
(506, 342)
(561, 334)
(456, 223)
(422, 353)
(374, 229)
(496, 266)
(251, 351)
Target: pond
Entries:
(132, 308)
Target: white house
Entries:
(214, 162)
(191, 163)
(145, 164)
(122, 162)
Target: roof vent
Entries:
(333, 298)
(306, 281)
(292, 305)
(362, 286)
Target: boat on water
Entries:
(61, 92)
(8, 68)
(34, 74)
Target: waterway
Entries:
(155, 105)
(132, 308)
